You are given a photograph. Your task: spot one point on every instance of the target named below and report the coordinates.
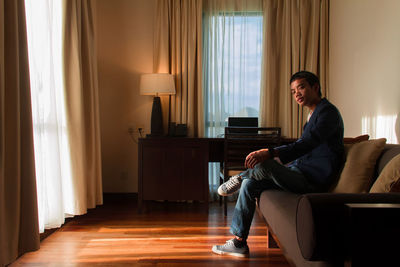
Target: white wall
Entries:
(365, 66)
(125, 50)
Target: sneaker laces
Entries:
(233, 182)
(229, 243)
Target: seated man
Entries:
(314, 161)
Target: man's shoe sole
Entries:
(223, 194)
(220, 252)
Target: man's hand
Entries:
(256, 157)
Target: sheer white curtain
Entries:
(52, 158)
(232, 54)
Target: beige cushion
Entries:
(358, 171)
(389, 179)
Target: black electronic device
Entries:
(178, 130)
(243, 122)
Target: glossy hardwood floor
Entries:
(168, 234)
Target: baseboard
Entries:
(116, 197)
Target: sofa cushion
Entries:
(389, 179)
(389, 152)
(358, 171)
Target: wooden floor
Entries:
(168, 234)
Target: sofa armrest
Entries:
(321, 222)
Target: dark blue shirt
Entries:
(318, 153)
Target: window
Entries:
(52, 158)
(232, 54)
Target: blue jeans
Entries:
(266, 175)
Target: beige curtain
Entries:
(19, 231)
(82, 108)
(296, 38)
(177, 50)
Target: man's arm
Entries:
(327, 121)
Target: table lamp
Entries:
(157, 84)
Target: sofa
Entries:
(312, 229)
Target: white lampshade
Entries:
(157, 84)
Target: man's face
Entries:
(303, 93)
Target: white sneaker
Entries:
(229, 248)
(230, 186)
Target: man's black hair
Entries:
(310, 77)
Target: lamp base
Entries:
(156, 118)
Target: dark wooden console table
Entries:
(176, 168)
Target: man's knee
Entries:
(250, 187)
(268, 165)
(261, 171)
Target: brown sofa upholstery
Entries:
(310, 228)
